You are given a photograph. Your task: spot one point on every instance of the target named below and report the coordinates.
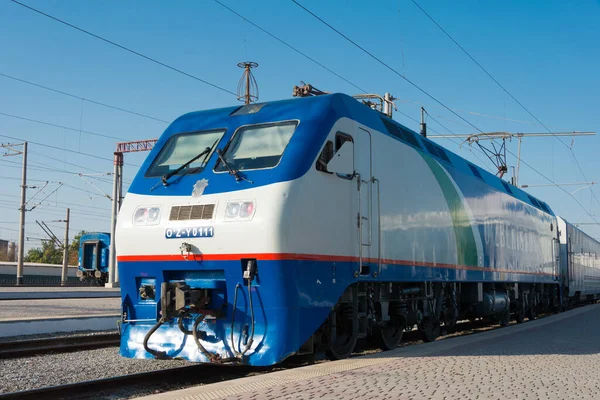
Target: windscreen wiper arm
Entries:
(165, 177)
(235, 173)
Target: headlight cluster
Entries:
(239, 210)
(146, 216)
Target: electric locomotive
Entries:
(252, 233)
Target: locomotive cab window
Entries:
(257, 146)
(325, 156)
(183, 147)
(340, 139)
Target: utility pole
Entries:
(22, 217)
(65, 266)
(13, 152)
(113, 272)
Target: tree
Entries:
(52, 253)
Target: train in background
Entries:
(93, 258)
(256, 232)
(579, 263)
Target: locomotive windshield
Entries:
(183, 147)
(257, 146)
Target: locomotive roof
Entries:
(331, 107)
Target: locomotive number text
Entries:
(198, 232)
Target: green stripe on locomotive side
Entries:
(466, 246)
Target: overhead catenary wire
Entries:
(506, 91)
(383, 63)
(99, 103)
(290, 46)
(122, 47)
(63, 149)
(47, 168)
(73, 205)
(311, 59)
(14, 206)
(485, 70)
(295, 49)
(63, 127)
(428, 94)
(38, 167)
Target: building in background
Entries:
(12, 251)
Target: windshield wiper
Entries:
(164, 179)
(235, 173)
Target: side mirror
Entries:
(343, 160)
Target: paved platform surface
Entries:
(554, 358)
(37, 316)
(57, 292)
(19, 310)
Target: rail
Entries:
(196, 374)
(23, 348)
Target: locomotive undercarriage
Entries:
(379, 313)
(92, 276)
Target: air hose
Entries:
(180, 324)
(161, 355)
(212, 357)
(251, 339)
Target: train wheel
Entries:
(505, 318)
(533, 306)
(343, 337)
(450, 319)
(390, 333)
(520, 314)
(430, 329)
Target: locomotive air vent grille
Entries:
(198, 211)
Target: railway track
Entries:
(57, 345)
(124, 386)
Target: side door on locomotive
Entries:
(353, 161)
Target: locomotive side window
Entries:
(340, 139)
(325, 156)
(183, 147)
(257, 146)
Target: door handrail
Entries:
(375, 180)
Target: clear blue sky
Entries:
(544, 52)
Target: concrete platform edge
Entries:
(249, 384)
(59, 324)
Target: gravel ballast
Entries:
(59, 369)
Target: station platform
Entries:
(552, 358)
(40, 316)
(56, 292)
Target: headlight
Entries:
(239, 210)
(146, 216)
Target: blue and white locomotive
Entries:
(256, 232)
(94, 249)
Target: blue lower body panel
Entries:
(291, 300)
